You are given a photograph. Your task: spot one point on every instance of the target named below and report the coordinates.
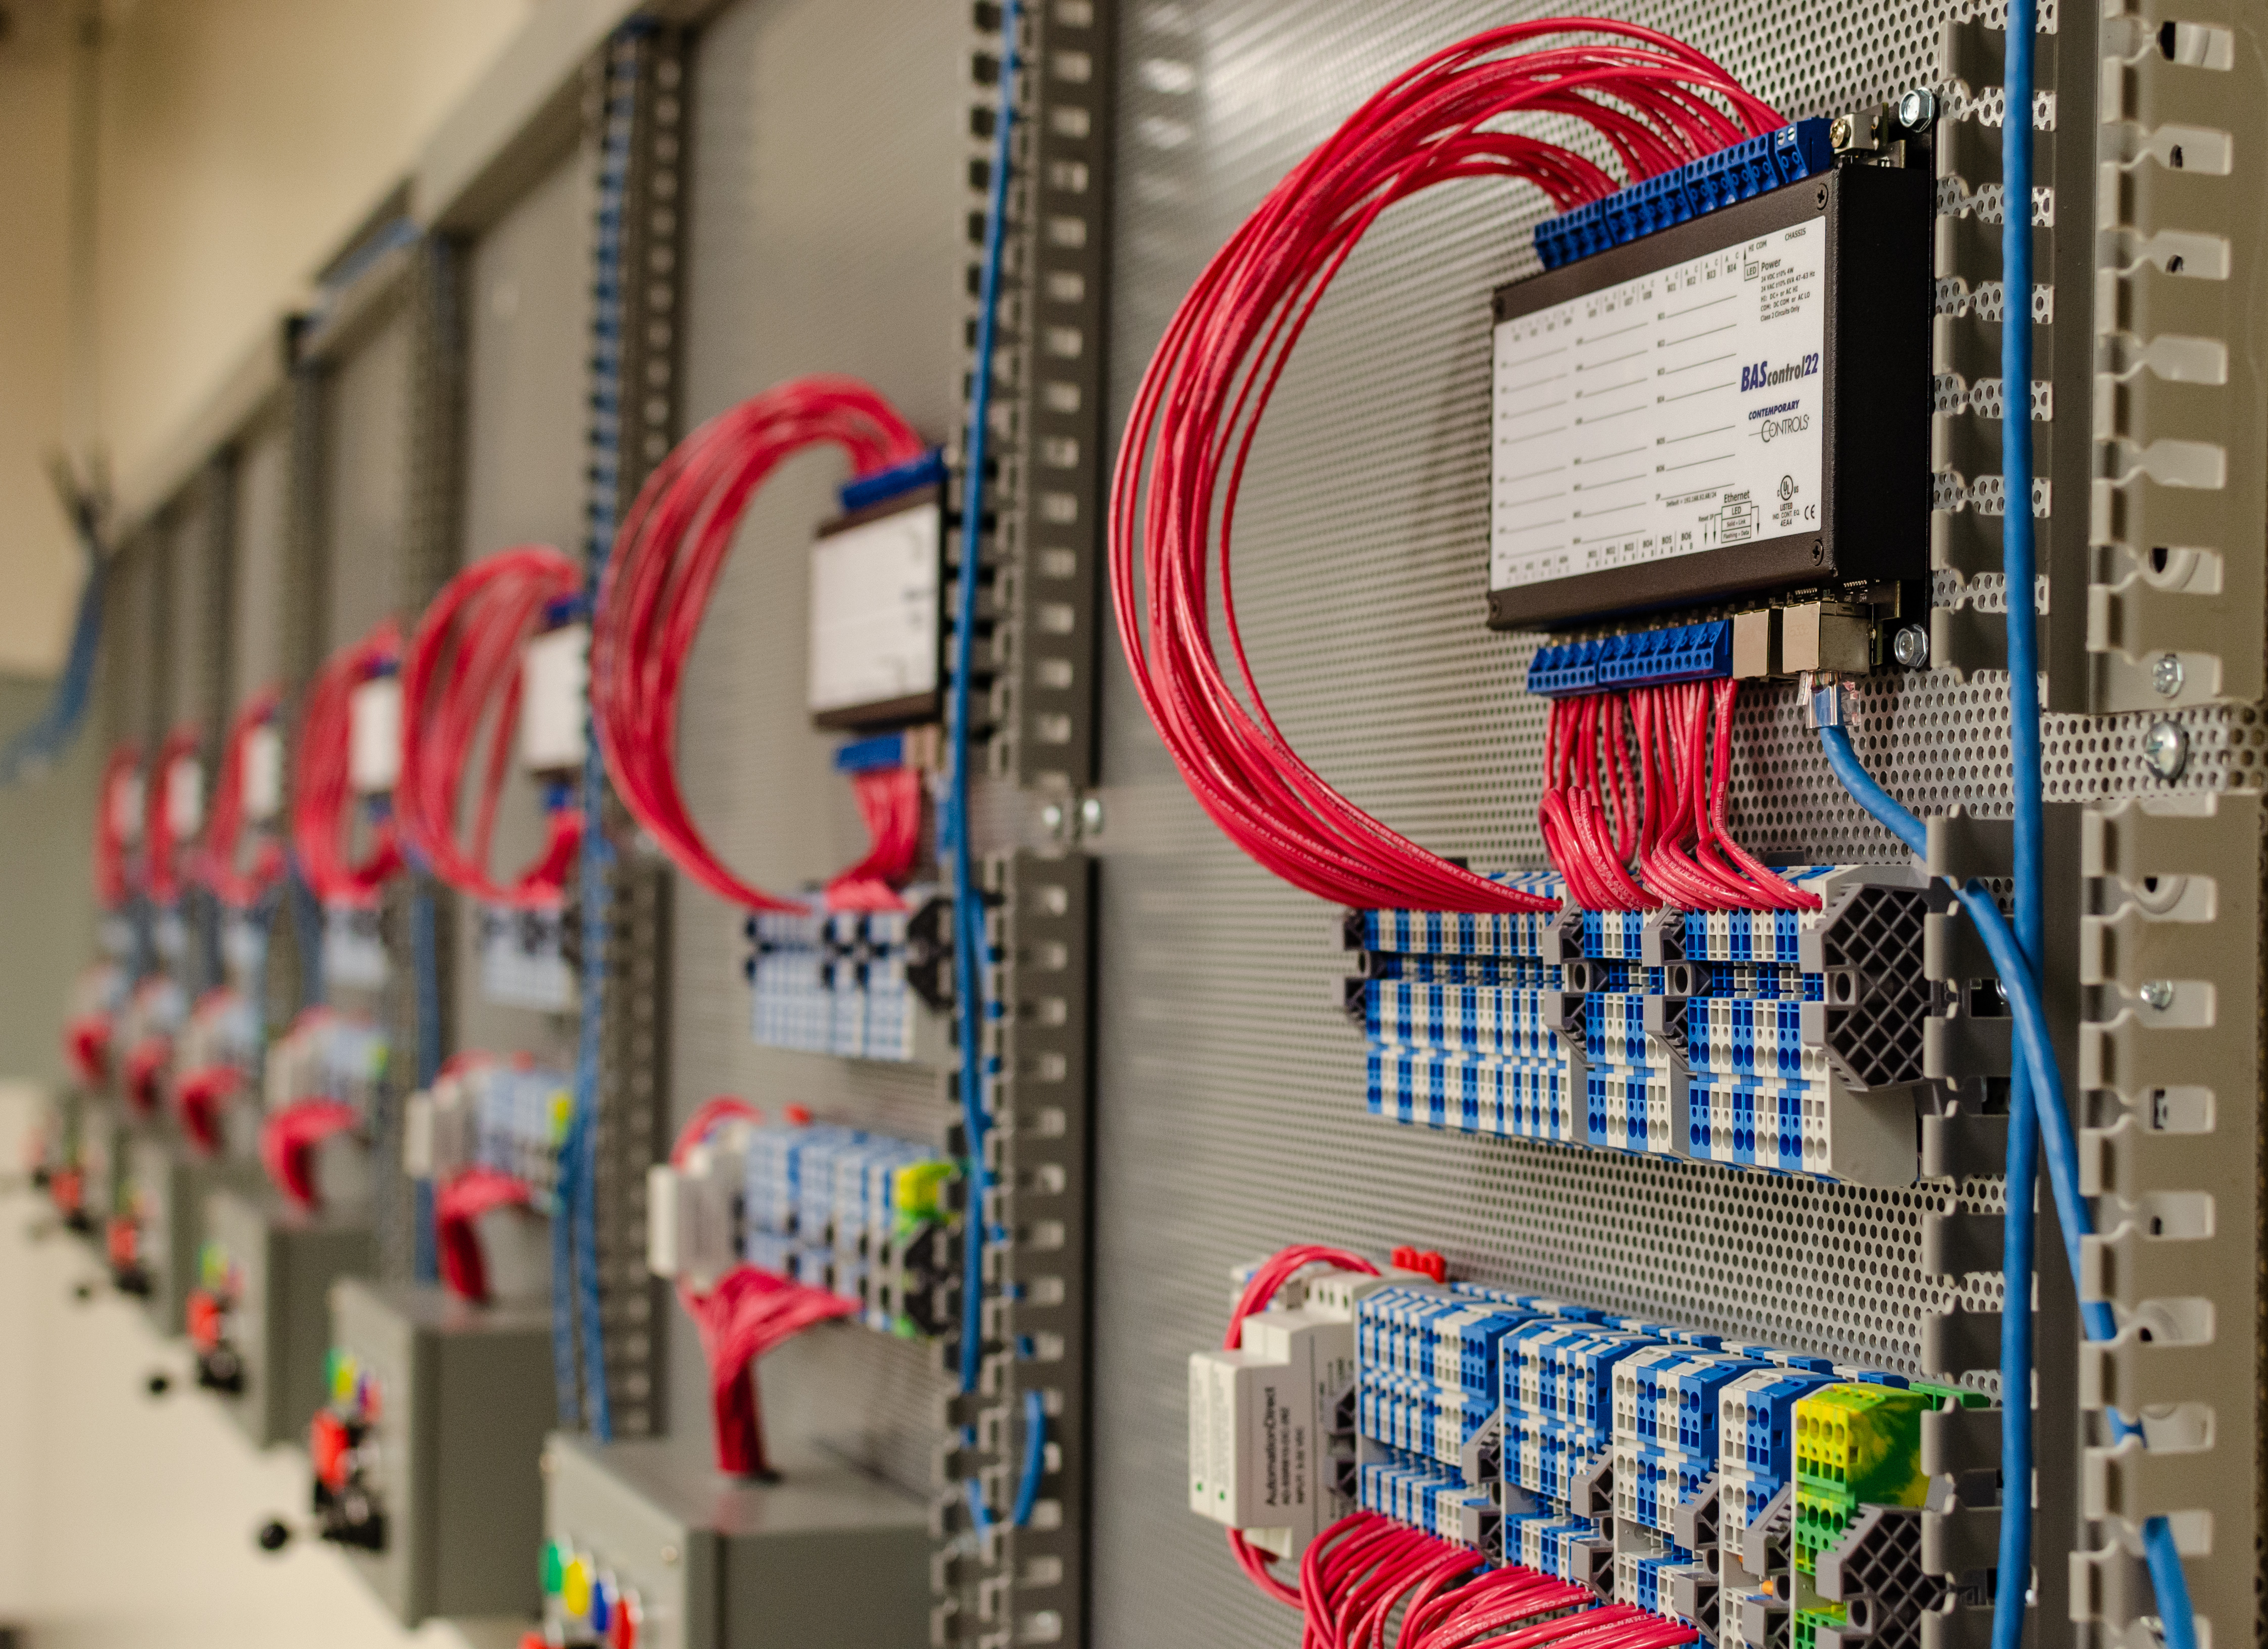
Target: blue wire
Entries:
(47, 739)
(2177, 1616)
(968, 941)
(2018, 568)
(307, 926)
(1027, 1481)
(1035, 1457)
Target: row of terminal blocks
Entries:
(1765, 1497)
(1782, 1040)
(1739, 172)
(1765, 641)
(862, 1216)
(860, 984)
(508, 1114)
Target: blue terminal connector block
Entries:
(896, 481)
(1755, 166)
(1645, 658)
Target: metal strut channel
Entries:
(997, 1581)
(1000, 1585)
(636, 133)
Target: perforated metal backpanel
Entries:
(1230, 1095)
(261, 496)
(365, 479)
(527, 294)
(824, 236)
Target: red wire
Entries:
(322, 788)
(288, 1138)
(216, 865)
(113, 883)
(160, 849)
(463, 670)
(464, 1198)
(666, 561)
(890, 801)
(1200, 402)
(704, 1120)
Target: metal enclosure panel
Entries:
(285, 1261)
(823, 236)
(169, 1187)
(493, 1405)
(826, 1556)
(262, 540)
(1230, 1094)
(365, 480)
(467, 1397)
(528, 293)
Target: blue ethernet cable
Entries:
(1028, 1481)
(2177, 1616)
(968, 904)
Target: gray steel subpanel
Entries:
(826, 1556)
(169, 1188)
(466, 1398)
(280, 1326)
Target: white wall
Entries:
(125, 1522)
(240, 142)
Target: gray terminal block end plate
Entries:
(465, 1398)
(824, 1557)
(167, 1185)
(277, 1264)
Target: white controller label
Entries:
(1675, 413)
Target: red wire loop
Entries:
(200, 1096)
(666, 561)
(288, 1138)
(463, 670)
(221, 865)
(457, 1203)
(322, 784)
(1653, 100)
(161, 849)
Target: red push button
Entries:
(204, 1319)
(328, 1447)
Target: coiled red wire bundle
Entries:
(1653, 100)
(1358, 1573)
(463, 670)
(221, 865)
(1636, 786)
(744, 1314)
(666, 561)
(161, 848)
(323, 799)
(113, 883)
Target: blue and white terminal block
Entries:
(1653, 1465)
(1781, 1040)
